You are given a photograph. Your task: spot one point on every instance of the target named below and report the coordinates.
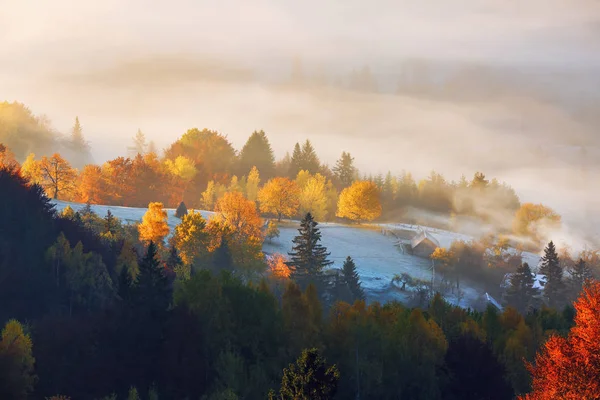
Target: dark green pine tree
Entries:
(222, 259)
(181, 210)
(310, 160)
(110, 223)
(309, 378)
(550, 268)
(352, 279)
(308, 257)
(521, 293)
(296, 162)
(257, 152)
(125, 284)
(579, 275)
(152, 291)
(473, 372)
(344, 170)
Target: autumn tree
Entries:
(309, 378)
(308, 257)
(191, 238)
(240, 224)
(7, 158)
(139, 145)
(209, 196)
(16, 362)
(278, 267)
(257, 152)
(279, 196)
(31, 169)
(183, 168)
(91, 185)
(360, 202)
(58, 178)
(550, 268)
(313, 196)
(272, 231)
(252, 184)
(344, 170)
(532, 219)
(154, 227)
(568, 368)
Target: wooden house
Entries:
(423, 244)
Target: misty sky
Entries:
(166, 66)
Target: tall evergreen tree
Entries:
(152, 291)
(80, 147)
(344, 170)
(309, 378)
(521, 292)
(296, 162)
(181, 210)
(139, 145)
(310, 160)
(308, 257)
(125, 283)
(110, 222)
(551, 269)
(257, 152)
(352, 279)
(580, 273)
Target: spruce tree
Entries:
(110, 223)
(550, 268)
(579, 275)
(309, 378)
(310, 160)
(181, 210)
(125, 283)
(139, 144)
(257, 152)
(308, 257)
(296, 162)
(152, 292)
(175, 264)
(352, 279)
(344, 170)
(521, 293)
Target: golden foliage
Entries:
(252, 184)
(530, 215)
(182, 167)
(154, 224)
(31, 169)
(191, 238)
(91, 185)
(313, 196)
(238, 220)
(360, 202)
(58, 178)
(279, 196)
(278, 268)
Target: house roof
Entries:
(422, 236)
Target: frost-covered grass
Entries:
(376, 255)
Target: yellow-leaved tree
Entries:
(238, 222)
(154, 224)
(360, 202)
(17, 362)
(279, 196)
(252, 184)
(191, 238)
(313, 196)
(535, 221)
(184, 169)
(31, 169)
(58, 177)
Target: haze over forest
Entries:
(509, 89)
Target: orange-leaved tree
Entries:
(569, 368)
(58, 177)
(154, 224)
(91, 186)
(360, 202)
(241, 226)
(279, 196)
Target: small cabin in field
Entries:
(423, 244)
